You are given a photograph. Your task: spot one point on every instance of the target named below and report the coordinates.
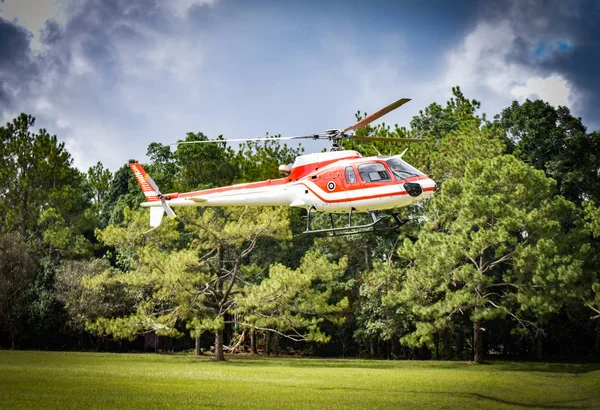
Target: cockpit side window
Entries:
(374, 172)
(403, 170)
(350, 175)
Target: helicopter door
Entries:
(373, 174)
(350, 176)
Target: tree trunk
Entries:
(461, 344)
(239, 343)
(597, 343)
(219, 356)
(253, 342)
(268, 343)
(477, 342)
(276, 344)
(12, 338)
(198, 350)
(446, 345)
(538, 344)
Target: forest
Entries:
(503, 261)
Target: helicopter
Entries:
(336, 182)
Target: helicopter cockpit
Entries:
(402, 170)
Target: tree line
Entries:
(502, 260)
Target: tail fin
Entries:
(152, 194)
(156, 215)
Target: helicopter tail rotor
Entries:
(152, 194)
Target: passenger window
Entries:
(374, 172)
(350, 175)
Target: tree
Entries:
(44, 201)
(552, 140)
(455, 135)
(378, 320)
(99, 180)
(164, 168)
(260, 160)
(437, 122)
(497, 243)
(123, 192)
(204, 164)
(592, 299)
(88, 303)
(294, 302)
(17, 271)
(36, 174)
(186, 276)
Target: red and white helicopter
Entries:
(335, 182)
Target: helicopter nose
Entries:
(414, 189)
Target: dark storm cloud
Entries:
(99, 75)
(559, 37)
(18, 69)
(51, 33)
(91, 30)
(579, 56)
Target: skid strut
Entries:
(356, 229)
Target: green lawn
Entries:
(94, 380)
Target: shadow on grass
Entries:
(562, 404)
(589, 402)
(501, 366)
(545, 367)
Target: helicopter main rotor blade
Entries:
(387, 139)
(378, 114)
(249, 139)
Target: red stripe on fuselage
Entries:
(361, 198)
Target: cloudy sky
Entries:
(109, 77)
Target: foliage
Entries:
(99, 181)
(45, 203)
(36, 174)
(497, 243)
(260, 160)
(293, 300)
(186, 276)
(204, 165)
(17, 271)
(455, 135)
(552, 140)
(88, 303)
(592, 299)
(380, 320)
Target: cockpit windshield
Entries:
(402, 170)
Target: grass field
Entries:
(94, 380)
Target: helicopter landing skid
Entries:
(356, 229)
